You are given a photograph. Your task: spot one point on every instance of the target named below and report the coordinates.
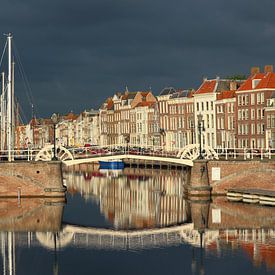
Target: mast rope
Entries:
(4, 50)
(26, 83)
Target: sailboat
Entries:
(7, 105)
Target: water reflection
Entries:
(143, 210)
(24, 222)
(136, 199)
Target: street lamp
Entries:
(200, 128)
(54, 119)
(127, 140)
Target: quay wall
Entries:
(31, 179)
(220, 214)
(215, 177)
(250, 174)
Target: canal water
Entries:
(134, 222)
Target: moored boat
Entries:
(111, 164)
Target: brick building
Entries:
(225, 119)
(252, 100)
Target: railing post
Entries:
(269, 153)
(226, 157)
(244, 153)
(262, 156)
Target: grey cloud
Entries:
(76, 53)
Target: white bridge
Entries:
(153, 154)
(72, 156)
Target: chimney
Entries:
(233, 85)
(268, 68)
(254, 70)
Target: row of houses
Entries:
(232, 113)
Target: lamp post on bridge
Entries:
(54, 119)
(201, 129)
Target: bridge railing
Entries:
(121, 149)
(245, 153)
(29, 154)
(19, 154)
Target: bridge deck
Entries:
(172, 160)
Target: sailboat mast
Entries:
(9, 100)
(12, 110)
(3, 114)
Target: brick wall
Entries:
(242, 174)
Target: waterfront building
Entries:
(118, 117)
(225, 119)
(86, 128)
(41, 132)
(180, 107)
(252, 100)
(65, 130)
(270, 121)
(205, 99)
(163, 98)
(104, 127)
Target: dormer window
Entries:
(255, 82)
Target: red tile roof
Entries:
(247, 85)
(226, 95)
(267, 82)
(208, 86)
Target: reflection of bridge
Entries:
(96, 238)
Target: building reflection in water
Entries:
(135, 199)
(141, 199)
(148, 210)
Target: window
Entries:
(239, 114)
(252, 97)
(252, 113)
(253, 129)
(258, 98)
(246, 100)
(239, 100)
(198, 106)
(262, 98)
(259, 113)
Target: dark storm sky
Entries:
(77, 53)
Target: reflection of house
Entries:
(259, 244)
(129, 202)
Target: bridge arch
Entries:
(46, 153)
